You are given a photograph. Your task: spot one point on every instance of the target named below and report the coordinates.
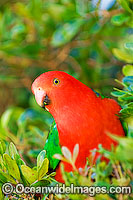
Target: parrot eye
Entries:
(56, 81)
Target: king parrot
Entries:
(80, 115)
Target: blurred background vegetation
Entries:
(89, 39)
(74, 36)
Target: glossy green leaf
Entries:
(40, 159)
(11, 166)
(4, 177)
(43, 169)
(2, 147)
(120, 19)
(14, 154)
(13, 151)
(1, 194)
(122, 55)
(29, 174)
(118, 94)
(128, 70)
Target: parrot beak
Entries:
(40, 96)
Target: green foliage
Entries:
(125, 97)
(38, 35)
(66, 33)
(88, 43)
(118, 171)
(14, 170)
(28, 129)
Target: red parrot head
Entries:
(49, 88)
(55, 89)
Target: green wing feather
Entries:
(99, 95)
(52, 146)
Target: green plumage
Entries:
(52, 146)
(99, 95)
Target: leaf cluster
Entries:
(14, 170)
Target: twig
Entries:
(116, 171)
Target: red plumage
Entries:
(80, 115)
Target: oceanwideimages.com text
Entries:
(8, 188)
